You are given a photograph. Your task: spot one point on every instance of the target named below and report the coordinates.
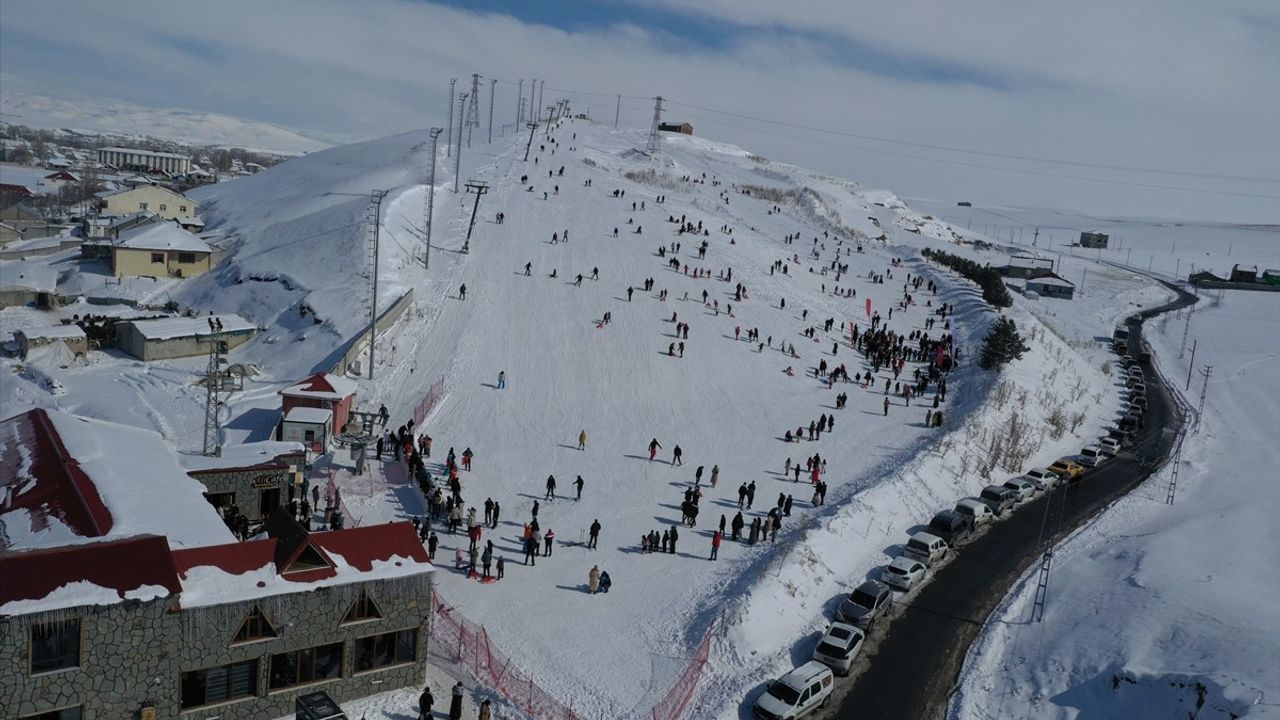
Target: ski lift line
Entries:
(987, 153)
(997, 168)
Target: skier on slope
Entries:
(653, 449)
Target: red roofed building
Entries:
(320, 391)
(114, 629)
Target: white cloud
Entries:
(1179, 85)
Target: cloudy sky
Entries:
(1144, 107)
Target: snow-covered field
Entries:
(293, 262)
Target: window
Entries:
(71, 713)
(379, 651)
(55, 646)
(182, 208)
(309, 436)
(142, 206)
(219, 684)
(362, 609)
(186, 257)
(306, 666)
(163, 207)
(157, 257)
(254, 627)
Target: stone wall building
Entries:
(254, 478)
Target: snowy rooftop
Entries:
(1051, 280)
(322, 386)
(241, 571)
(248, 455)
(71, 479)
(181, 327)
(309, 415)
(148, 153)
(162, 236)
(53, 332)
(28, 275)
(1026, 261)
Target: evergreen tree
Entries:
(1003, 344)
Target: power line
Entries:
(987, 153)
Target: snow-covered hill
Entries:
(189, 126)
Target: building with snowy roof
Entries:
(251, 480)
(1051, 286)
(177, 337)
(159, 200)
(160, 250)
(316, 408)
(33, 339)
(144, 160)
(27, 283)
(1026, 266)
(122, 593)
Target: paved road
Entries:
(913, 670)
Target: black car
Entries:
(951, 526)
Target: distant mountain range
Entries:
(116, 117)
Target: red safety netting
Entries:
(456, 641)
(433, 396)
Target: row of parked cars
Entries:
(809, 686)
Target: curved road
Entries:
(912, 669)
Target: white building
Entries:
(144, 160)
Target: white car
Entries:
(903, 573)
(1022, 487)
(1109, 446)
(839, 647)
(1090, 456)
(796, 694)
(1042, 477)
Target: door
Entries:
(268, 501)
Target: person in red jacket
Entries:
(715, 545)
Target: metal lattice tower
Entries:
(1173, 475)
(1204, 390)
(1186, 329)
(655, 140)
(448, 146)
(473, 110)
(372, 215)
(1050, 525)
(213, 387)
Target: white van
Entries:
(975, 510)
(1090, 456)
(925, 547)
(796, 694)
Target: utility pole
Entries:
(533, 127)
(655, 140)
(479, 188)
(533, 97)
(1186, 330)
(520, 102)
(457, 158)
(542, 89)
(431, 195)
(448, 147)
(550, 118)
(1192, 364)
(373, 215)
(1035, 238)
(617, 113)
(493, 85)
(1204, 390)
(213, 387)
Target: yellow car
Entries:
(1067, 469)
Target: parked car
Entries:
(796, 694)
(1139, 401)
(1128, 424)
(1043, 477)
(977, 512)
(951, 526)
(1090, 456)
(1067, 468)
(999, 498)
(1132, 381)
(1022, 488)
(925, 547)
(1136, 418)
(865, 604)
(1120, 436)
(903, 573)
(1109, 446)
(1144, 357)
(839, 647)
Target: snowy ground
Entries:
(1155, 608)
(295, 244)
